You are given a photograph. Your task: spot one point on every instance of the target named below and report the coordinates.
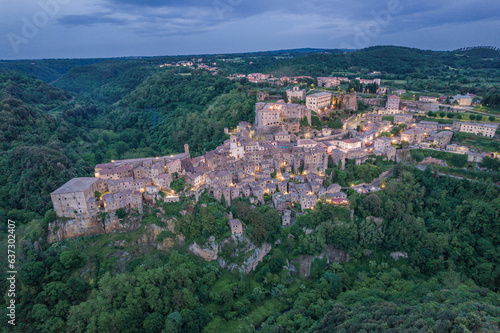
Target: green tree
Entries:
(121, 213)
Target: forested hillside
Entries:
(392, 59)
(47, 70)
(39, 152)
(107, 81)
(448, 283)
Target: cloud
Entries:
(91, 19)
(151, 27)
(185, 17)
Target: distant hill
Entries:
(109, 76)
(390, 59)
(47, 70)
(107, 81)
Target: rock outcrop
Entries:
(330, 253)
(60, 229)
(433, 161)
(209, 252)
(398, 255)
(80, 227)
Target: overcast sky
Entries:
(33, 29)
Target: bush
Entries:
(442, 114)
(450, 115)
(419, 157)
(479, 117)
(459, 116)
(491, 118)
(458, 161)
(121, 213)
(178, 185)
(472, 117)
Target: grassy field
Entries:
(486, 109)
(479, 143)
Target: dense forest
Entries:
(448, 283)
(96, 110)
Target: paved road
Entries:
(375, 183)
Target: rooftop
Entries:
(352, 140)
(320, 94)
(235, 223)
(76, 185)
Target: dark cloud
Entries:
(183, 16)
(92, 19)
(192, 26)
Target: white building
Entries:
(319, 101)
(478, 128)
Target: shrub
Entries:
(472, 117)
(121, 213)
(491, 118)
(419, 157)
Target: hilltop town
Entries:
(282, 157)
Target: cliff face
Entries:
(59, 230)
(79, 227)
(209, 252)
(252, 254)
(332, 255)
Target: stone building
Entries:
(297, 93)
(287, 218)
(413, 135)
(441, 139)
(393, 103)
(308, 201)
(236, 227)
(129, 183)
(488, 130)
(350, 102)
(319, 101)
(124, 199)
(122, 171)
(269, 115)
(76, 198)
(402, 118)
(373, 117)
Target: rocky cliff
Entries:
(79, 227)
(330, 253)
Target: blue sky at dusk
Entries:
(110, 28)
